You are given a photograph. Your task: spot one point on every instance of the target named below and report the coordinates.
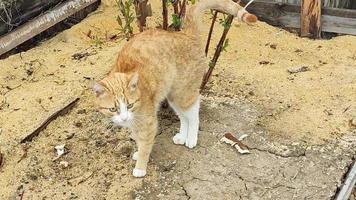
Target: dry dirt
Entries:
(298, 124)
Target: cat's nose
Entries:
(124, 117)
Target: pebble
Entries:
(352, 122)
(64, 164)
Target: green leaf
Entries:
(119, 21)
(211, 64)
(176, 21)
(226, 44)
(126, 17)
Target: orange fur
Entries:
(168, 65)
(251, 19)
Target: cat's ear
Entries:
(133, 81)
(98, 89)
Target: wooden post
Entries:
(310, 19)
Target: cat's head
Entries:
(118, 97)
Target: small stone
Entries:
(64, 164)
(298, 69)
(82, 111)
(33, 177)
(100, 143)
(29, 70)
(60, 149)
(352, 122)
(273, 46)
(78, 124)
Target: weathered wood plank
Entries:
(41, 23)
(348, 185)
(287, 15)
(21, 12)
(346, 4)
(276, 14)
(335, 24)
(346, 13)
(310, 18)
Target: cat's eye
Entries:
(112, 109)
(130, 106)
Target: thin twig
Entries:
(175, 7)
(22, 194)
(165, 14)
(183, 8)
(54, 116)
(211, 32)
(139, 14)
(1, 160)
(218, 50)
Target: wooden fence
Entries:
(346, 4)
(310, 17)
(41, 23)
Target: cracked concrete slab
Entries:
(275, 169)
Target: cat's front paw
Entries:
(179, 139)
(135, 156)
(138, 173)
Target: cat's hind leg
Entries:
(188, 112)
(192, 114)
(180, 137)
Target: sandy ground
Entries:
(299, 126)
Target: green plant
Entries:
(176, 21)
(171, 2)
(226, 44)
(97, 41)
(127, 12)
(224, 22)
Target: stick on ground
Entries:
(54, 116)
(1, 159)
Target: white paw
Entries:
(191, 142)
(135, 156)
(138, 173)
(179, 139)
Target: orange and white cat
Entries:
(156, 65)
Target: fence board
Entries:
(41, 23)
(288, 15)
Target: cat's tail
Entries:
(194, 13)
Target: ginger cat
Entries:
(156, 65)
